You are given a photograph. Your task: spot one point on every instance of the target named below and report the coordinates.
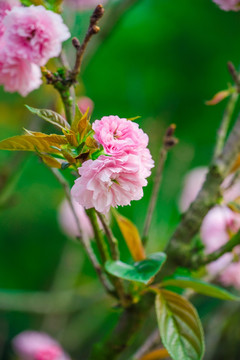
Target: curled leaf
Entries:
(156, 354)
(42, 143)
(217, 98)
(50, 116)
(131, 236)
(51, 161)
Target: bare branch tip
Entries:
(76, 43)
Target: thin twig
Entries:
(112, 18)
(93, 29)
(102, 246)
(82, 238)
(168, 143)
(152, 340)
(117, 283)
(227, 116)
(112, 240)
(208, 258)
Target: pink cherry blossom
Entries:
(34, 33)
(5, 7)
(228, 5)
(218, 226)
(118, 135)
(85, 103)
(109, 181)
(121, 136)
(231, 275)
(192, 185)
(33, 345)
(17, 74)
(68, 223)
(84, 4)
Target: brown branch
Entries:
(93, 29)
(112, 240)
(179, 249)
(200, 260)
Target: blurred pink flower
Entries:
(5, 7)
(231, 275)
(68, 223)
(33, 345)
(18, 75)
(218, 226)
(192, 184)
(84, 4)
(228, 4)
(109, 181)
(34, 33)
(85, 103)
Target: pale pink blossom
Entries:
(33, 345)
(109, 181)
(68, 222)
(17, 74)
(192, 184)
(218, 226)
(119, 135)
(84, 104)
(84, 4)
(34, 33)
(231, 275)
(5, 7)
(228, 5)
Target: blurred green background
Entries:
(162, 61)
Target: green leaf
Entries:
(142, 271)
(199, 286)
(77, 118)
(180, 327)
(50, 116)
(41, 143)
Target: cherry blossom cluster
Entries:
(33, 345)
(218, 226)
(228, 5)
(118, 177)
(29, 37)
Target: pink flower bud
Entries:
(85, 103)
(68, 223)
(228, 5)
(192, 184)
(33, 345)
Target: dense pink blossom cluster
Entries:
(29, 37)
(33, 345)
(84, 4)
(218, 225)
(118, 177)
(228, 5)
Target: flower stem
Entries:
(227, 116)
(168, 143)
(82, 238)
